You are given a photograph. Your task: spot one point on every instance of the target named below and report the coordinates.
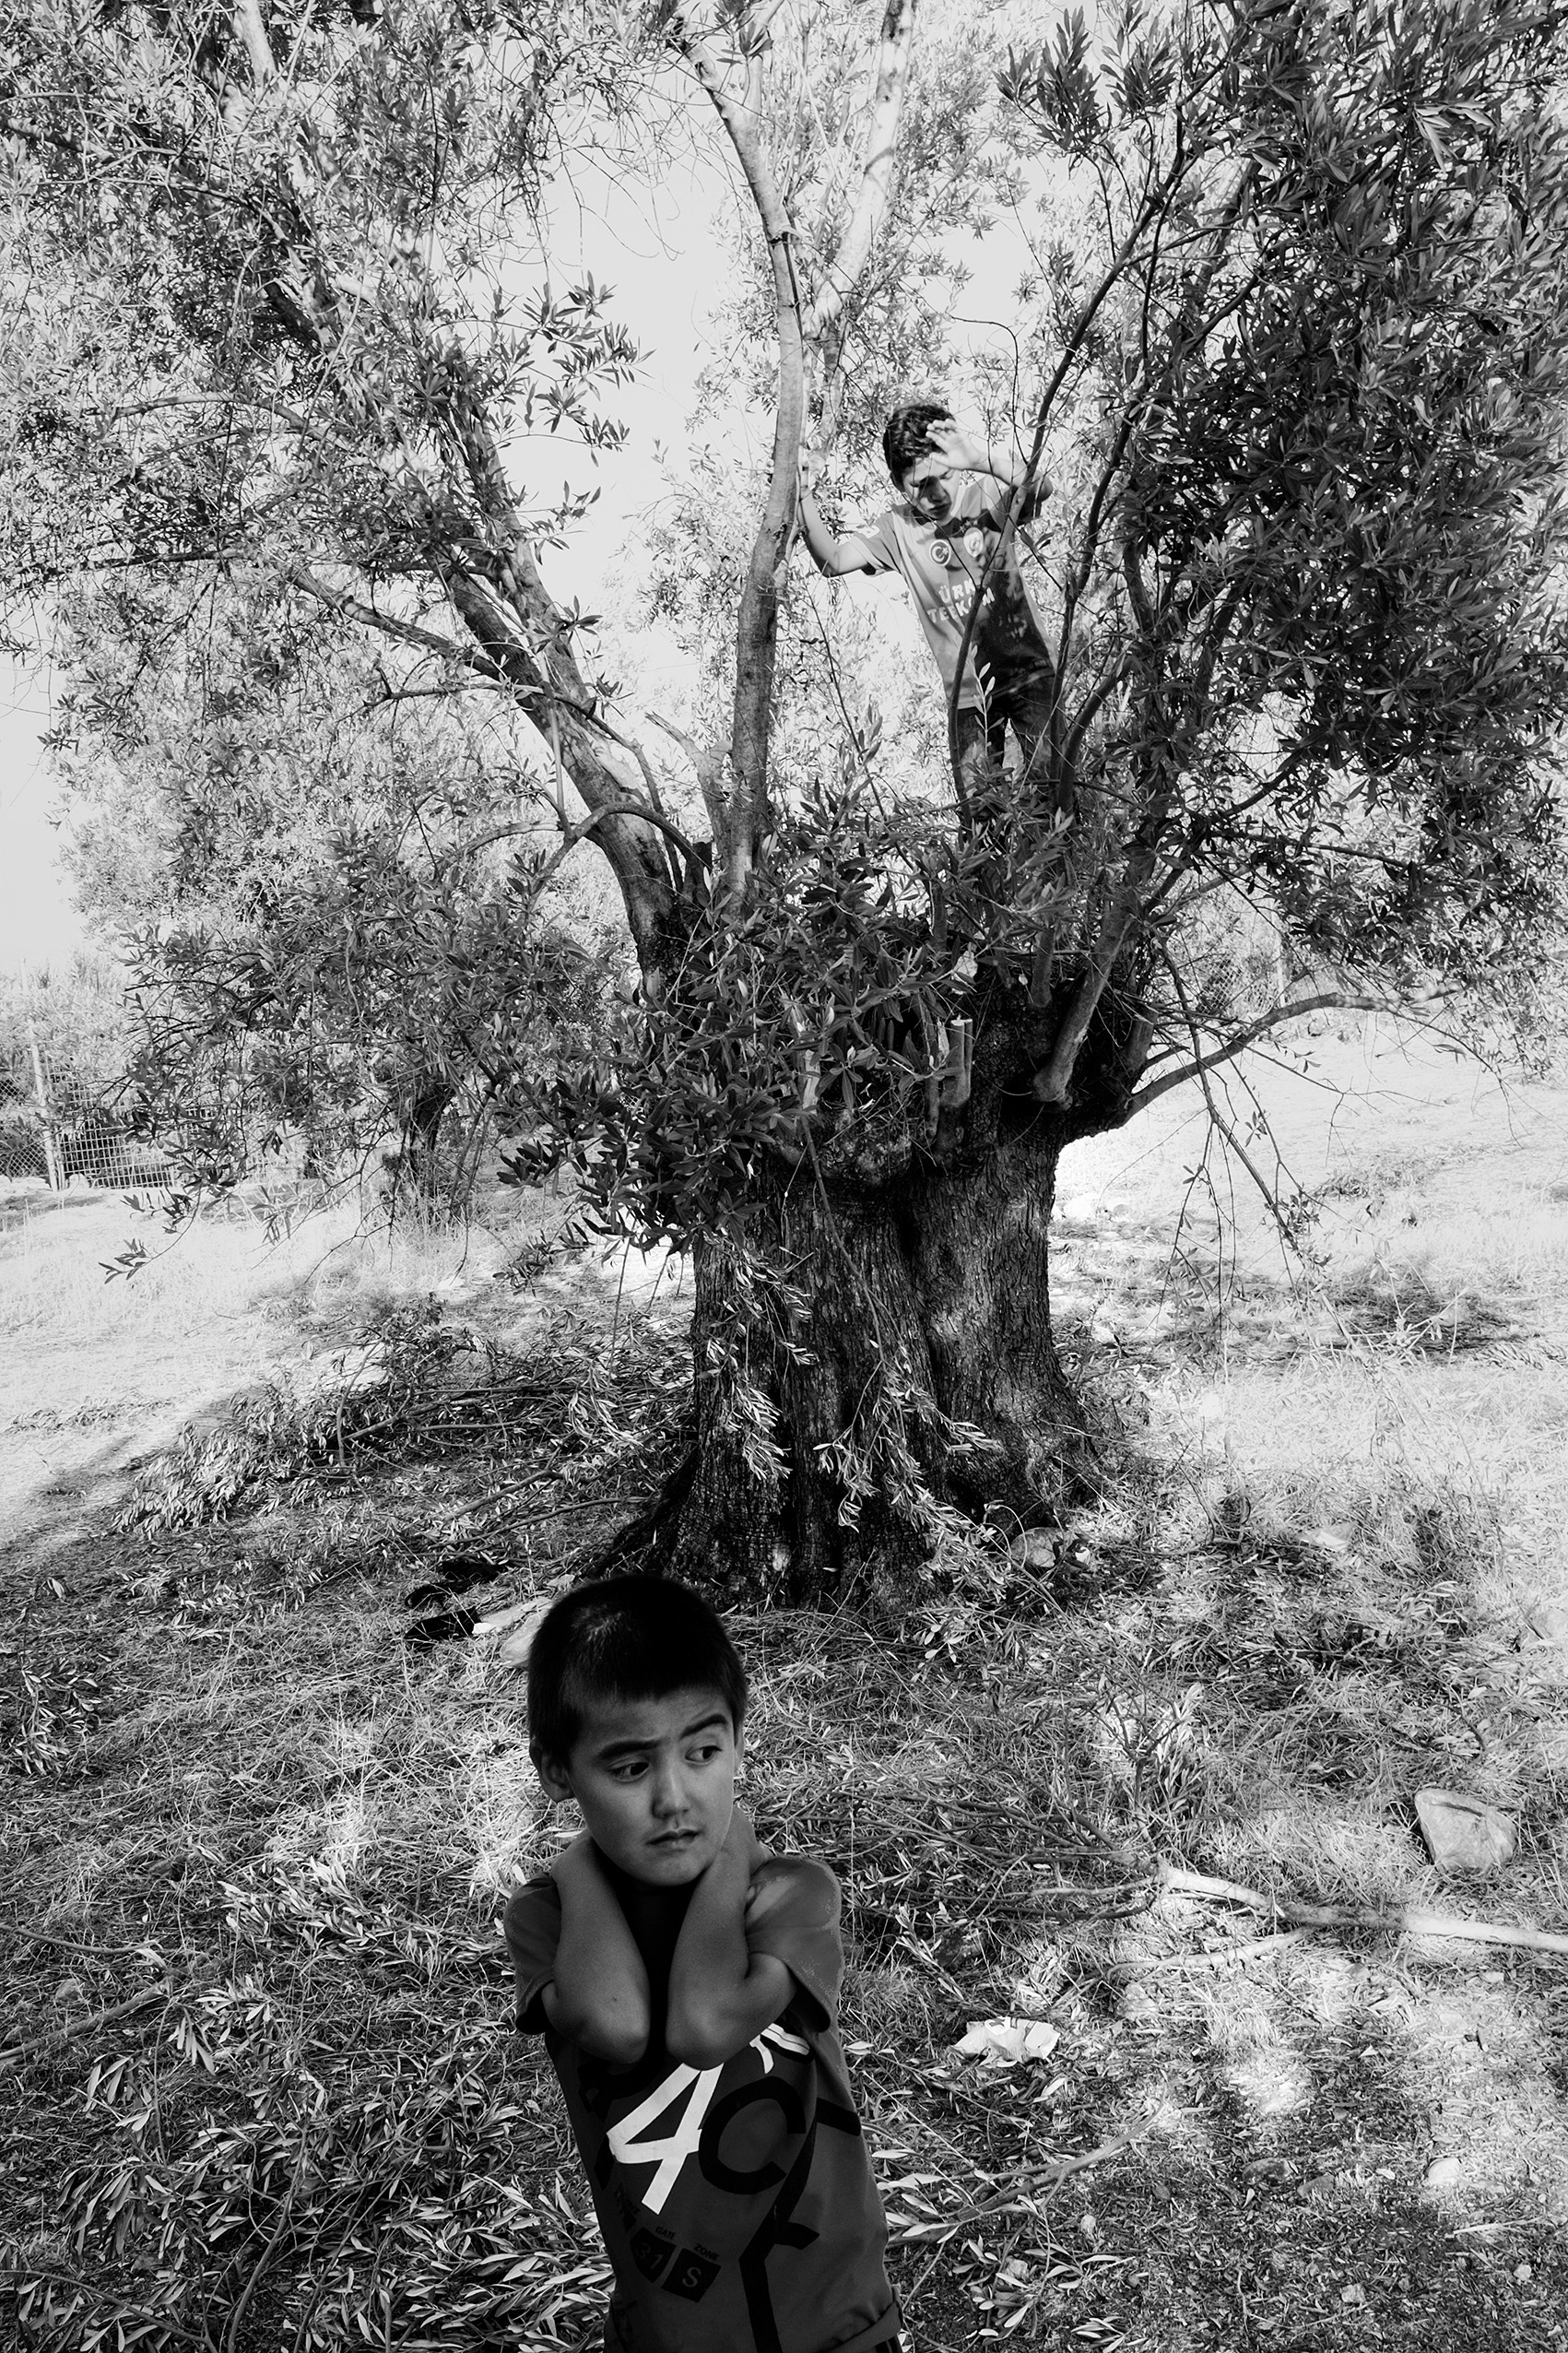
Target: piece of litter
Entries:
(496, 1621)
(513, 1651)
(1007, 2040)
(1549, 1624)
(1464, 1833)
(1443, 2173)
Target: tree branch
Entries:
(408, 633)
(1402, 1919)
(1120, 261)
(1051, 1084)
(250, 27)
(707, 764)
(757, 623)
(74, 2027)
(1221, 1125)
(894, 43)
(1295, 1011)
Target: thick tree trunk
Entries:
(867, 1355)
(418, 1165)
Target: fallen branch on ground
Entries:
(234, 2332)
(1253, 1946)
(1408, 1920)
(85, 2025)
(76, 1945)
(1047, 2177)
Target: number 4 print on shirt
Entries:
(668, 2154)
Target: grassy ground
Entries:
(268, 1785)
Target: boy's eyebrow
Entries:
(615, 1748)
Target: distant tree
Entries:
(1292, 345)
(67, 1023)
(344, 934)
(75, 1011)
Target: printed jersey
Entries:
(737, 2203)
(942, 565)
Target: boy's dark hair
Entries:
(624, 1638)
(906, 436)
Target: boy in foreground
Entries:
(685, 1983)
(940, 539)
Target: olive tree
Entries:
(1290, 349)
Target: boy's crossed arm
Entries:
(722, 1994)
(599, 1998)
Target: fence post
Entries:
(46, 1112)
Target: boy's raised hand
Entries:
(947, 440)
(720, 1993)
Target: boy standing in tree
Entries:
(941, 538)
(685, 1983)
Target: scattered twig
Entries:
(141, 2001)
(243, 2302)
(1046, 2177)
(76, 1945)
(1405, 1920)
(1255, 1944)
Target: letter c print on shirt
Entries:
(772, 2088)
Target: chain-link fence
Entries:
(57, 1128)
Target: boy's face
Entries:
(655, 1780)
(927, 486)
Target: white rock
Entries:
(1444, 2173)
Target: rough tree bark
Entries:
(432, 1099)
(923, 1322)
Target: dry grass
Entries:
(1307, 1589)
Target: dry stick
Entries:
(246, 2296)
(69, 1943)
(85, 2025)
(1048, 2177)
(1253, 1944)
(1408, 1920)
